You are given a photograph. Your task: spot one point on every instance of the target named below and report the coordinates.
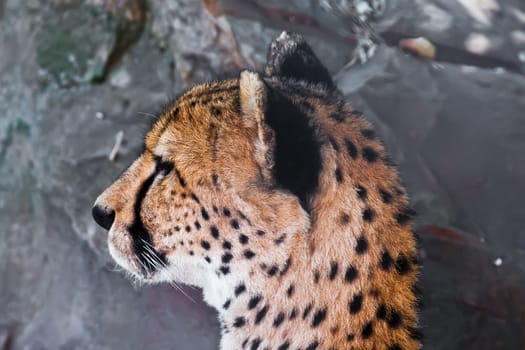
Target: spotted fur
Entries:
(276, 198)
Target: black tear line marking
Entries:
(140, 235)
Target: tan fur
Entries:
(222, 149)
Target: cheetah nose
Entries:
(104, 217)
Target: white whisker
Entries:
(148, 115)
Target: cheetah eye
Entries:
(162, 168)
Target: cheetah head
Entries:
(226, 172)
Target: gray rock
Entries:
(456, 132)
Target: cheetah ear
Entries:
(291, 57)
(253, 96)
(287, 148)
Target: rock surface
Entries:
(455, 127)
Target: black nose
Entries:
(103, 217)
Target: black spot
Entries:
(214, 232)
(255, 343)
(205, 244)
(319, 317)
(241, 288)
(197, 225)
(386, 260)
(243, 238)
(362, 245)
(278, 319)
(235, 224)
(227, 245)
(351, 274)
(333, 270)
(273, 270)
(191, 252)
(205, 214)
(334, 144)
(215, 209)
(226, 258)
(395, 347)
(337, 116)
(245, 342)
(293, 313)
(370, 154)
(239, 322)
(338, 175)
(404, 215)
(195, 198)
(249, 254)
(208, 259)
(225, 270)
(261, 314)
(381, 312)
(216, 111)
(368, 133)
(316, 277)
(280, 239)
(351, 148)
(215, 180)
(284, 346)
(403, 265)
(286, 266)
(188, 228)
(367, 330)
(354, 306)
(368, 215)
(393, 319)
(226, 305)
(307, 310)
(252, 303)
(350, 336)
(226, 212)
(297, 151)
(361, 192)
(290, 290)
(313, 345)
(260, 233)
(345, 218)
(385, 196)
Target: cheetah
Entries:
(275, 196)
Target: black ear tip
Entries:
(290, 56)
(287, 37)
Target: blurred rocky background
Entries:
(80, 80)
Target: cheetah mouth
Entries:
(136, 257)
